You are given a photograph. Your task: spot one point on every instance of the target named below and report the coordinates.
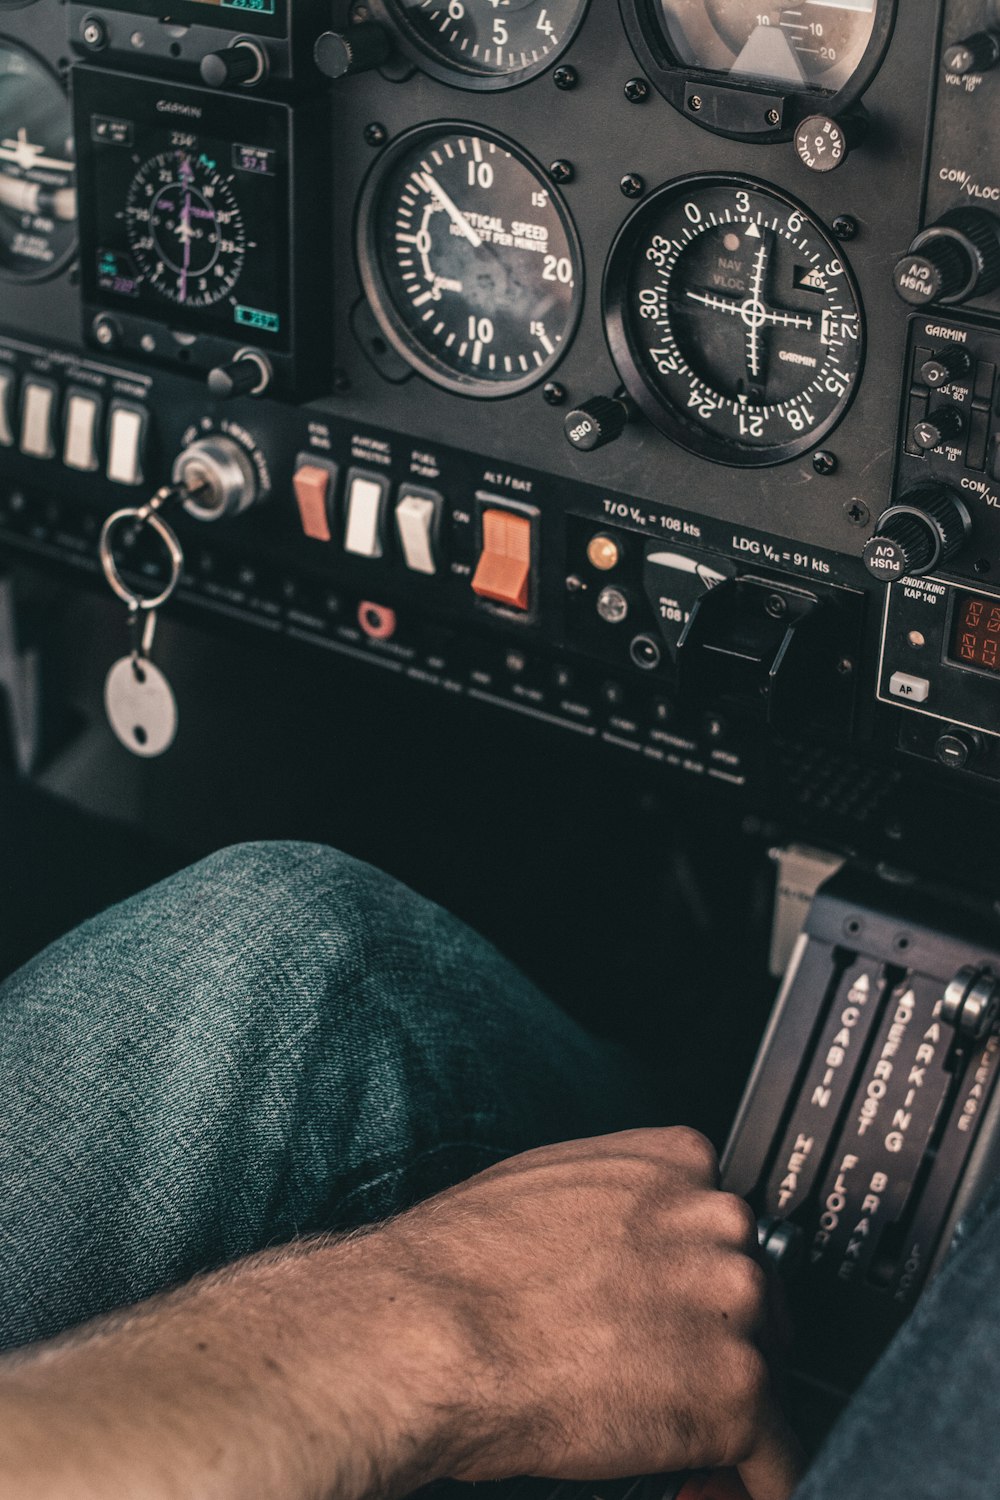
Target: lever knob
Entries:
(598, 422)
(920, 534)
(957, 258)
(972, 1002)
(338, 54)
(242, 63)
(977, 54)
(247, 375)
(218, 477)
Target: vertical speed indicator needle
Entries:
(455, 214)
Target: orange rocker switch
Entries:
(504, 571)
(312, 491)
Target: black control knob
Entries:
(941, 369)
(957, 258)
(957, 748)
(598, 422)
(977, 54)
(338, 54)
(940, 427)
(248, 374)
(823, 143)
(921, 533)
(243, 63)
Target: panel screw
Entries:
(376, 134)
(561, 171)
(695, 102)
(633, 186)
(93, 33)
(637, 91)
(857, 513)
(845, 227)
(825, 462)
(776, 607)
(773, 117)
(341, 381)
(845, 666)
(565, 77)
(554, 393)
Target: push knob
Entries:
(243, 63)
(823, 143)
(339, 54)
(972, 1002)
(218, 477)
(248, 374)
(598, 422)
(920, 534)
(951, 364)
(940, 427)
(957, 258)
(977, 54)
(957, 748)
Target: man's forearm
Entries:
(300, 1373)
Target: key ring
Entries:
(146, 515)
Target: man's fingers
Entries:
(776, 1465)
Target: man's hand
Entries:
(585, 1311)
(610, 1311)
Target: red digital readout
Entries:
(976, 640)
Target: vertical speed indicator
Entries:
(734, 320)
(470, 260)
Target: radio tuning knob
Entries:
(243, 63)
(339, 54)
(249, 374)
(977, 54)
(941, 369)
(938, 428)
(598, 422)
(923, 532)
(218, 477)
(957, 258)
(823, 143)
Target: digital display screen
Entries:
(976, 634)
(184, 207)
(267, 17)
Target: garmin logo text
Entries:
(171, 107)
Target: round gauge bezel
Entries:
(618, 321)
(671, 77)
(57, 267)
(367, 240)
(435, 65)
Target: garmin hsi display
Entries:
(186, 219)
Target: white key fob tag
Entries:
(141, 707)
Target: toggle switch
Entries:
(126, 444)
(6, 408)
(366, 500)
(418, 517)
(315, 486)
(83, 421)
(36, 419)
(504, 572)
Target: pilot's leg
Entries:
(278, 1040)
(925, 1424)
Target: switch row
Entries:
(505, 566)
(363, 528)
(43, 424)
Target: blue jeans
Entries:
(282, 1040)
